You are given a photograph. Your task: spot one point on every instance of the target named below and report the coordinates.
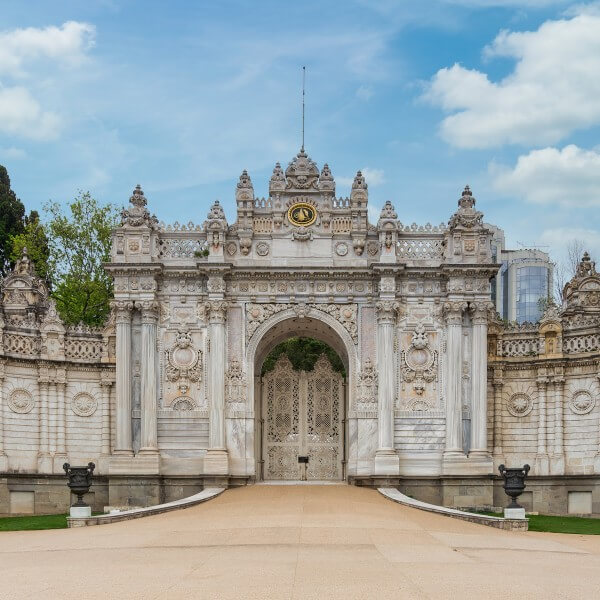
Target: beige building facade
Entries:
(169, 396)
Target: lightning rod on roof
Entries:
(303, 81)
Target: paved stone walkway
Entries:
(284, 542)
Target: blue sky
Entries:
(423, 96)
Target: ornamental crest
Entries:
(183, 360)
(419, 361)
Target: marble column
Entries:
(216, 460)
(123, 441)
(386, 458)
(106, 388)
(498, 422)
(541, 457)
(557, 462)
(3, 457)
(61, 429)
(479, 442)
(44, 459)
(454, 320)
(149, 379)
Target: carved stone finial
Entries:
(302, 173)
(245, 182)
(138, 214)
(586, 266)
(277, 182)
(326, 182)
(24, 266)
(466, 216)
(388, 212)
(359, 182)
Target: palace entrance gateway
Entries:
(303, 432)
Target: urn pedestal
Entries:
(80, 481)
(514, 485)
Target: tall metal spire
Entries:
(303, 82)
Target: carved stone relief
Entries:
(84, 404)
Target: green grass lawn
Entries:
(554, 524)
(33, 522)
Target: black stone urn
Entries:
(80, 480)
(514, 482)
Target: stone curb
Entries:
(203, 496)
(498, 522)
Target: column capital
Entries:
(480, 311)
(107, 378)
(149, 309)
(453, 311)
(217, 311)
(387, 311)
(541, 382)
(122, 310)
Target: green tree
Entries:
(12, 212)
(79, 245)
(303, 354)
(34, 238)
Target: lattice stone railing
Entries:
(419, 248)
(581, 343)
(83, 349)
(520, 347)
(180, 247)
(26, 345)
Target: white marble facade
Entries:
(436, 385)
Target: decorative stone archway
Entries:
(305, 322)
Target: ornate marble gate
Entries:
(303, 416)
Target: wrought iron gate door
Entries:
(302, 413)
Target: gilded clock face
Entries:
(302, 214)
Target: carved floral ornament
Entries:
(235, 383)
(519, 405)
(137, 214)
(84, 404)
(21, 401)
(345, 314)
(367, 384)
(582, 402)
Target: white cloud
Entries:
(559, 238)
(568, 177)
(67, 43)
(552, 91)
(12, 153)
(373, 177)
(21, 115)
(364, 92)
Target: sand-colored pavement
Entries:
(285, 542)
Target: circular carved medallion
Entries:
(20, 401)
(84, 405)
(341, 249)
(519, 405)
(262, 249)
(582, 402)
(419, 358)
(302, 214)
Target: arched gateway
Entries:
(198, 309)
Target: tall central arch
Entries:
(278, 328)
